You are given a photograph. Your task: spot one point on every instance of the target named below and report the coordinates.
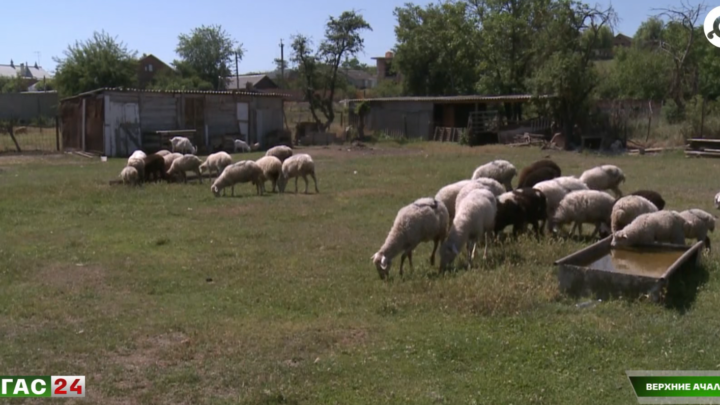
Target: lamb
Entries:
(241, 172)
(541, 170)
(585, 206)
(500, 170)
(241, 145)
(182, 145)
(272, 168)
(481, 183)
(281, 152)
(697, 225)
(129, 175)
(627, 208)
(519, 208)
(138, 164)
(186, 163)
(555, 190)
(448, 195)
(652, 196)
(660, 226)
(605, 177)
(296, 166)
(154, 165)
(163, 152)
(425, 220)
(216, 162)
(475, 217)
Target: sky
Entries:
(152, 26)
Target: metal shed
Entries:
(117, 121)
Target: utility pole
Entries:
(237, 73)
(282, 59)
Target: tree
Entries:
(354, 63)
(15, 84)
(319, 69)
(209, 51)
(641, 74)
(650, 33)
(101, 61)
(184, 78)
(436, 49)
(565, 54)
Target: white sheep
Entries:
(186, 163)
(297, 166)
(627, 208)
(138, 154)
(129, 175)
(183, 145)
(281, 152)
(491, 185)
(585, 206)
(243, 171)
(241, 145)
(605, 177)
(138, 163)
(171, 158)
(272, 168)
(448, 195)
(474, 218)
(216, 162)
(697, 224)
(424, 220)
(163, 152)
(660, 226)
(500, 170)
(717, 201)
(555, 190)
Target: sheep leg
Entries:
(184, 175)
(402, 262)
(596, 231)
(486, 245)
(409, 256)
(306, 183)
(296, 181)
(315, 181)
(233, 190)
(199, 175)
(436, 242)
(274, 183)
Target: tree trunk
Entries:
(12, 135)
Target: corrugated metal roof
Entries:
(243, 80)
(130, 90)
(450, 99)
(29, 71)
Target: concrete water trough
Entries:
(628, 272)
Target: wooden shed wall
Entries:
(158, 112)
(412, 118)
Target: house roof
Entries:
(148, 56)
(623, 37)
(207, 92)
(356, 74)
(243, 80)
(454, 99)
(30, 72)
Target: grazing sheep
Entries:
(170, 158)
(272, 168)
(605, 177)
(216, 162)
(544, 169)
(297, 166)
(555, 190)
(475, 218)
(424, 220)
(500, 170)
(186, 163)
(241, 145)
(660, 226)
(448, 195)
(183, 145)
(129, 175)
(255, 146)
(243, 171)
(697, 225)
(154, 166)
(163, 152)
(481, 183)
(281, 152)
(628, 208)
(138, 154)
(138, 164)
(519, 208)
(652, 196)
(717, 201)
(585, 206)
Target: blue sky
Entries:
(152, 26)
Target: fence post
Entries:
(57, 133)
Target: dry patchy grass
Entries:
(167, 294)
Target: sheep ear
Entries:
(384, 263)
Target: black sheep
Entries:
(524, 206)
(155, 167)
(652, 196)
(536, 172)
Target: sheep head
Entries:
(448, 253)
(620, 238)
(215, 190)
(382, 264)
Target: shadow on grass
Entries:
(683, 287)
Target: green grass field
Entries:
(168, 295)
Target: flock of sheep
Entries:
(278, 166)
(484, 205)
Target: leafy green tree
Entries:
(210, 52)
(101, 61)
(15, 84)
(436, 49)
(650, 33)
(183, 78)
(318, 69)
(354, 63)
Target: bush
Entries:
(671, 112)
